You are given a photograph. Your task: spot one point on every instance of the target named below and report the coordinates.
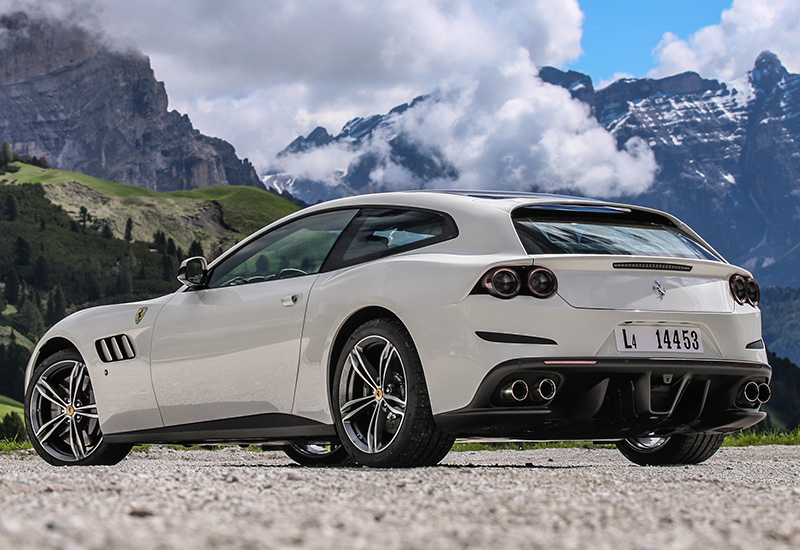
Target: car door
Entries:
(232, 349)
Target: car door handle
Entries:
(292, 299)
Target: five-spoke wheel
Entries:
(381, 402)
(61, 414)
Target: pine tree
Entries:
(6, 155)
(12, 287)
(129, 230)
(12, 211)
(56, 306)
(195, 249)
(22, 252)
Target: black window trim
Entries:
(335, 259)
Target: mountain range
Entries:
(728, 156)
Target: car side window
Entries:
(379, 232)
(292, 250)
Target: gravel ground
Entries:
(553, 498)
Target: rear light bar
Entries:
(507, 282)
(744, 290)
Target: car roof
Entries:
(442, 198)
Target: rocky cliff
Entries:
(90, 108)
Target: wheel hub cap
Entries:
(378, 394)
(70, 410)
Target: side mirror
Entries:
(193, 272)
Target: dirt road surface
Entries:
(552, 498)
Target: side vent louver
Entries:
(114, 348)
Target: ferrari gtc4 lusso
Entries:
(377, 329)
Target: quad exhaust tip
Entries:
(764, 393)
(518, 391)
(751, 391)
(754, 392)
(546, 389)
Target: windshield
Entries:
(603, 231)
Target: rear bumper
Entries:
(612, 399)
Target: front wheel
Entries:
(61, 414)
(380, 400)
(676, 449)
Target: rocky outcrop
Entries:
(89, 108)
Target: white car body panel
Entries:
(228, 352)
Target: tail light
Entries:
(745, 290)
(502, 282)
(753, 292)
(507, 282)
(542, 282)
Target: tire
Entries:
(61, 415)
(318, 455)
(380, 400)
(672, 450)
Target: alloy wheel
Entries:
(63, 412)
(372, 392)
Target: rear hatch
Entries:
(641, 283)
(615, 257)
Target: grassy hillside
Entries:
(8, 405)
(216, 217)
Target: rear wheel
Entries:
(317, 455)
(61, 414)
(653, 450)
(380, 400)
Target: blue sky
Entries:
(619, 36)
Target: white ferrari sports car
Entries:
(377, 329)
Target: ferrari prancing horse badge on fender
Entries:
(140, 314)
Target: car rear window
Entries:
(573, 229)
(379, 232)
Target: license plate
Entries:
(659, 339)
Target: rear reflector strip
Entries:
(651, 265)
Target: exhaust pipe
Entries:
(764, 393)
(546, 389)
(516, 391)
(751, 392)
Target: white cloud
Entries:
(506, 129)
(728, 49)
(290, 65)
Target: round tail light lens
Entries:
(739, 289)
(502, 282)
(542, 282)
(753, 292)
